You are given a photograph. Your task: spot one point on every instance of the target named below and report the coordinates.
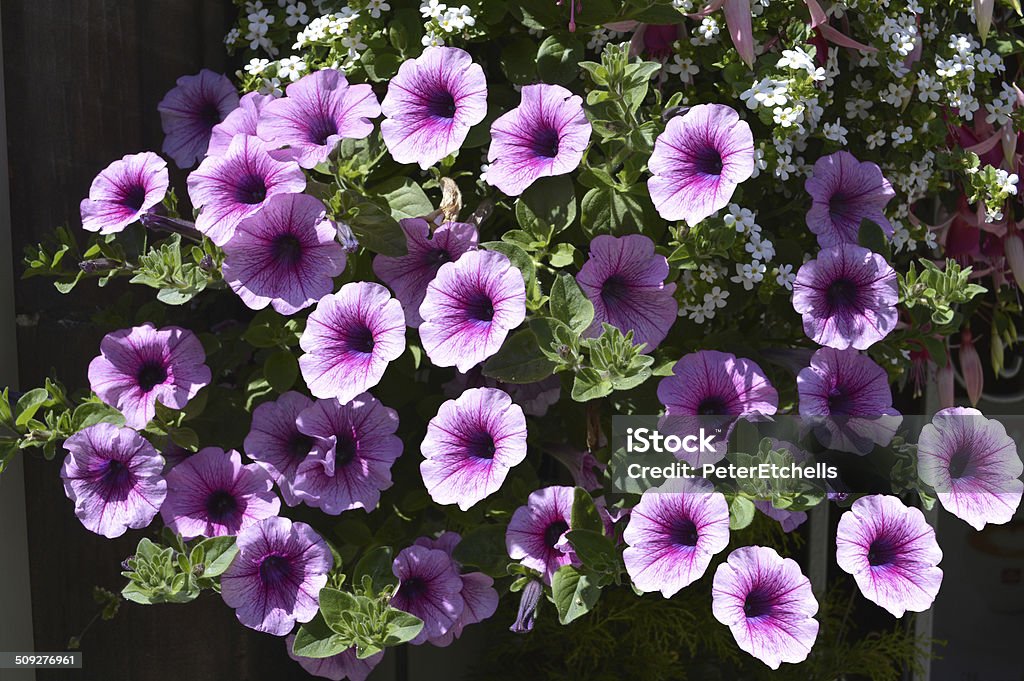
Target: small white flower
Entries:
(876, 139)
(760, 249)
(928, 87)
(989, 62)
(431, 39)
(291, 68)
(296, 14)
(684, 67)
(901, 135)
(784, 167)
(742, 219)
(760, 163)
(259, 22)
(432, 9)
(709, 28)
(787, 116)
(377, 7)
(717, 298)
(256, 66)
(766, 92)
(271, 86)
(835, 131)
(785, 277)
(858, 108)
(232, 36)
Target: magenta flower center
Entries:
(150, 375)
(134, 197)
(708, 161)
(758, 603)
(360, 339)
(482, 445)
(684, 532)
(220, 505)
(275, 570)
(841, 294)
(480, 307)
(881, 552)
(288, 249)
(252, 190)
(442, 104)
(117, 478)
(554, 532)
(545, 142)
(321, 128)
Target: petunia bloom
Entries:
(189, 112)
(123, 191)
(138, 367)
(344, 665)
(470, 307)
(276, 443)
(320, 110)
(845, 191)
(241, 121)
(471, 445)
(767, 604)
(536, 534)
(698, 162)
(228, 188)
(409, 275)
(624, 279)
(973, 466)
(113, 475)
(890, 550)
(847, 297)
(275, 579)
(544, 136)
(350, 339)
(431, 104)
(285, 256)
(211, 494)
(429, 587)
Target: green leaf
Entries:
(596, 551)
(562, 255)
(519, 60)
(219, 553)
(585, 515)
(373, 225)
(376, 564)
(404, 197)
(28, 404)
(281, 369)
(520, 259)
(399, 627)
(547, 207)
(557, 61)
(741, 512)
(590, 385)
(573, 592)
(871, 237)
(606, 211)
(569, 305)
(483, 547)
(316, 640)
(520, 360)
(334, 604)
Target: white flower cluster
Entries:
(442, 21)
(600, 37)
(1001, 108)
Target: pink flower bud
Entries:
(970, 365)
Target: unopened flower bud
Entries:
(970, 365)
(528, 603)
(1013, 247)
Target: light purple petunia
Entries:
(845, 191)
(344, 665)
(471, 445)
(890, 550)
(320, 110)
(431, 104)
(228, 188)
(350, 339)
(673, 533)
(409, 275)
(113, 475)
(189, 112)
(536, 534)
(973, 466)
(286, 255)
(138, 367)
(698, 162)
(355, 447)
(275, 579)
(123, 191)
(470, 307)
(429, 587)
(847, 296)
(211, 494)
(544, 136)
(845, 396)
(241, 121)
(275, 441)
(624, 279)
(767, 604)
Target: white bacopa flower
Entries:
(355, 45)
(271, 86)
(766, 92)
(988, 62)
(858, 108)
(901, 135)
(760, 163)
(683, 5)
(860, 84)
(1006, 182)
(717, 298)
(896, 94)
(797, 60)
(760, 249)
(296, 14)
(377, 7)
(928, 87)
(741, 219)
(999, 111)
(875, 139)
(259, 22)
(232, 36)
(708, 272)
(709, 28)
(787, 116)
(432, 9)
(431, 39)
(784, 167)
(784, 276)
(684, 67)
(291, 68)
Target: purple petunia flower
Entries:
(275, 441)
(673, 533)
(344, 665)
(275, 579)
(845, 396)
(211, 494)
(355, 447)
(321, 109)
(536, 534)
(544, 136)
(349, 340)
(471, 445)
(845, 191)
(767, 604)
(470, 307)
(409, 275)
(429, 587)
(624, 279)
(698, 162)
(890, 550)
(847, 297)
(973, 466)
(138, 367)
(286, 255)
(113, 475)
(190, 110)
(431, 104)
(123, 191)
(241, 121)
(227, 189)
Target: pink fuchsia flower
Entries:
(672, 535)
(228, 188)
(409, 275)
(767, 604)
(138, 367)
(698, 162)
(189, 112)
(471, 445)
(845, 191)
(429, 587)
(890, 550)
(211, 494)
(470, 307)
(113, 475)
(625, 280)
(241, 121)
(544, 136)
(344, 665)
(275, 579)
(320, 110)
(276, 443)
(355, 447)
(285, 256)
(973, 466)
(536, 534)
(123, 191)
(350, 339)
(431, 104)
(847, 297)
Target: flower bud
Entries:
(528, 603)
(1013, 247)
(970, 365)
